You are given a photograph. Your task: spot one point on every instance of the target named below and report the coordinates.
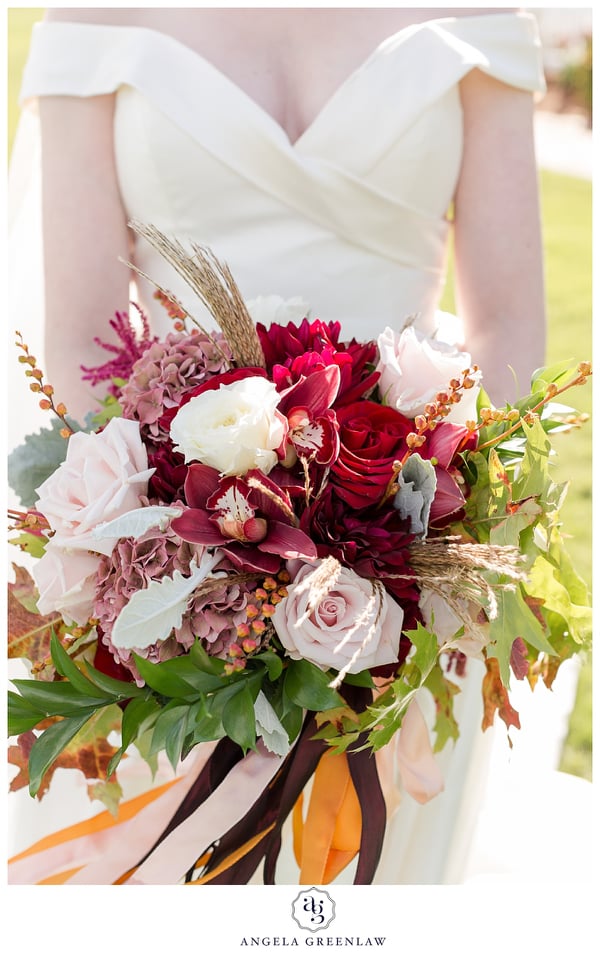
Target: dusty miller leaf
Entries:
(35, 460)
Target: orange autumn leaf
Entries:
(28, 632)
(89, 752)
(495, 698)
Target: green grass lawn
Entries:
(567, 223)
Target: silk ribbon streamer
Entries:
(329, 839)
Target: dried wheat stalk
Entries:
(213, 283)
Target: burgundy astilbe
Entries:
(165, 372)
(134, 342)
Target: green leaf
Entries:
(183, 667)
(308, 686)
(110, 408)
(550, 583)
(22, 716)
(515, 619)
(30, 543)
(136, 717)
(49, 745)
(58, 698)
(427, 649)
(163, 678)
(204, 661)
(239, 720)
(443, 691)
(117, 689)
(507, 532)
(271, 661)
(362, 679)
(66, 667)
(171, 716)
(533, 478)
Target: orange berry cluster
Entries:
(253, 633)
(174, 309)
(440, 407)
(38, 386)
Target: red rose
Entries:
(372, 437)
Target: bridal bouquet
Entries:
(270, 545)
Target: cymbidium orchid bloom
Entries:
(313, 427)
(250, 516)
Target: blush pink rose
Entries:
(332, 633)
(66, 583)
(103, 476)
(414, 368)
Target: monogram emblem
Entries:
(313, 909)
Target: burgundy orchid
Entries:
(249, 515)
(313, 432)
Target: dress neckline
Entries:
(236, 90)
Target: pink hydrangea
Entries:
(214, 618)
(165, 371)
(132, 565)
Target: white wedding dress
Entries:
(352, 217)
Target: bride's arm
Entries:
(498, 248)
(85, 232)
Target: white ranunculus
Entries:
(414, 368)
(234, 429)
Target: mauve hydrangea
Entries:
(165, 371)
(132, 565)
(214, 618)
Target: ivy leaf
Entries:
(308, 686)
(35, 460)
(443, 691)
(548, 581)
(514, 619)
(426, 645)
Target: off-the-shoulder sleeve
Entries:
(76, 59)
(506, 46)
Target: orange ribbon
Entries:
(329, 839)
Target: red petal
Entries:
(200, 483)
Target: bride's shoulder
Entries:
(100, 16)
